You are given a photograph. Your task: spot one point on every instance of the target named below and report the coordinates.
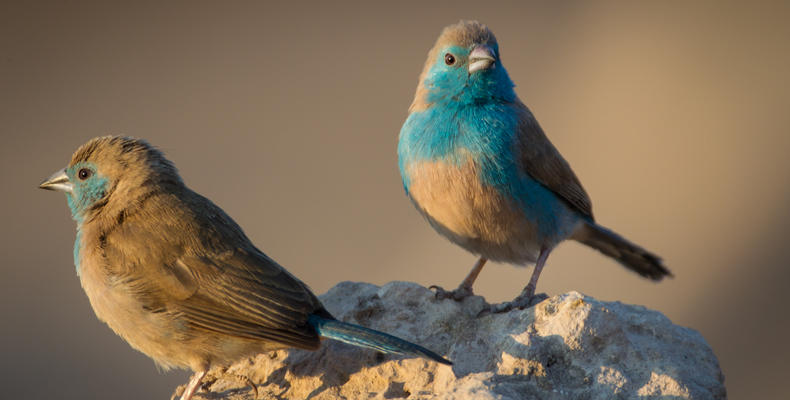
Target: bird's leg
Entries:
(193, 385)
(529, 290)
(527, 295)
(464, 290)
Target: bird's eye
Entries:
(449, 59)
(84, 174)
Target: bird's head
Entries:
(110, 170)
(463, 66)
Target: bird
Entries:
(477, 165)
(172, 274)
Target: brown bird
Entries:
(176, 277)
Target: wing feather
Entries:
(201, 269)
(541, 160)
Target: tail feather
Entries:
(363, 337)
(629, 254)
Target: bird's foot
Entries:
(519, 303)
(223, 373)
(458, 294)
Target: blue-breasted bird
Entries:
(477, 165)
(176, 277)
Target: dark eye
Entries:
(449, 59)
(84, 174)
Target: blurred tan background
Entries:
(675, 117)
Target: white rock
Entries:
(566, 347)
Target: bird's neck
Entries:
(103, 216)
(447, 90)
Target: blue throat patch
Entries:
(85, 194)
(469, 115)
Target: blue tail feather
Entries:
(363, 337)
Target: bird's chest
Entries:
(462, 172)
(119, 302)
(111, 301)
(471, 213)
(455, 162)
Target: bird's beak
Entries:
(58, 181)
(482, 57)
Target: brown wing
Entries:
(248, 295)
(541, 160)
(197, 266)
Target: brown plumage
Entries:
(173, 254)
(541, 160)
(176, 277)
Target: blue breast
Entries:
(487, 133)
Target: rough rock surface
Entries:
(568, 346)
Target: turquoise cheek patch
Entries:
(85, 194)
